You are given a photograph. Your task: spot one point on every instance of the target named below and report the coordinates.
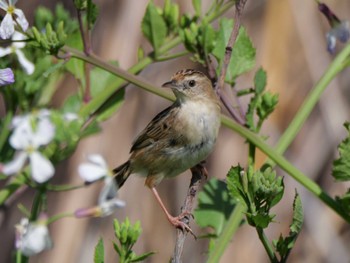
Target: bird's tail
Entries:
(122, 173)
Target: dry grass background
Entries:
(290, 42)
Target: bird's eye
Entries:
(192, 83)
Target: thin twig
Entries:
(228, 52)
(198, 172)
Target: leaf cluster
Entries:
(258, 191)
(262, 102)
(127, 235)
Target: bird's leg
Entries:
(175, 221)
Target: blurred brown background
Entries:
(290, 39)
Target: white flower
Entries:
(13, 15)
(95, 169)
(32, 237)
(6, 77)
(27, 140)
(107, 202)
(16, 47)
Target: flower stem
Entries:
(267, 245)
(59, 216)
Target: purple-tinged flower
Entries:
(340, 30)
(33, 237)
(13, 16)
(6, 77)
(108, 202)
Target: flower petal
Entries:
(25, 63)
(109, 191)
(331, 43)
(107, 208)
(98, 160)
(15, 165)
(90, 172)
(5, 51)
(21, 19)
(41, 168)
(44, 133)
(6, 77)
(7, 27)
(3, 5)
(35, 240)
(22, 136)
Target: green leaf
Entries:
(242, 58)
(142, 257)
(214, 206)
(260, 81)
(154, 27)
(208, 38)
(72, 103)
(267, 105)
(99, 252)
(236, 186)
(91, 13)
(341, 166)
(223, 36)
(285, 245)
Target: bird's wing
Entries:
(161, 130)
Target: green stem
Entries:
(338, 64)
(224, 239)
(172, 56)
(267, 245)
(286, 166)
(54, 218)
(5, 129)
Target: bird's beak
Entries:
(168, 84)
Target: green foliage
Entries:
(154, 27)
(243, 52)
(91, 14)
(214, 206)
(341, 166)
(258, 191)
(262, 103)
(99, 256)
(52, 40)
(171, 16)
(284, 245)
(127, 236)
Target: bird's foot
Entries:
(181, 221)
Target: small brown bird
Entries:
(178, 138)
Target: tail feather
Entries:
(122, 173)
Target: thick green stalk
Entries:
(286, 166)
(230, 228)
(294, 127)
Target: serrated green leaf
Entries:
(260, 81)
(99, 256)
(242, 58)
(260, 220)
(153, 27)
(285, 245)
(267, 105)
(214, 206)
(341, 166)
(235, 185)
(298, 215)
